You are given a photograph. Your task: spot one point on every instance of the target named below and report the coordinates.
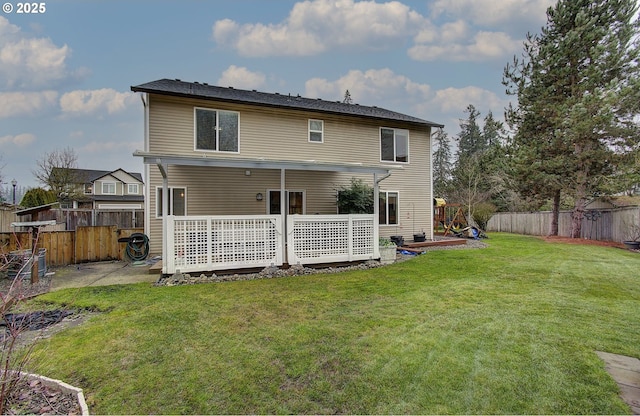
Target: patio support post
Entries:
(376, 216)
(284, 211)
(164, 170)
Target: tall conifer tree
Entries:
(578, 91)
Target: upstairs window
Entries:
(132, 188)
(316, 131)
(88, 188)
(216, 130)
(394, 145)
(108, 188)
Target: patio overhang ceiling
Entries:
(163, 161)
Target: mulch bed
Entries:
(34, 398)
(584, 241)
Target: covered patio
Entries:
(202, 243)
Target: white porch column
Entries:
(376, 216)
(284, 211)
(164, 171)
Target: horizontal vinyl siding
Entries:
(277, 134)
(413, 184)
(269, 133)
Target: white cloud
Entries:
(111, 147)
(483, 46)
(21, 140)
(371, 86)
(457, 99)
(241, 77)
(312, 27)
(30, 63)
(16, 104)
(82, 102)
(494, 13)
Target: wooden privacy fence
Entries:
(611, 224)
(70, 247)
(74, 218)
(7, 216)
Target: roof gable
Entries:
(210, 92)
(91, 175)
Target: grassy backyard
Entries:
(507, 329)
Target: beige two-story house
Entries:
(240, 178)
(101, 189)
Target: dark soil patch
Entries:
(584, 241)
(32, 397)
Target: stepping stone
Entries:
(626, 372)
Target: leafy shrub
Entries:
(482, 213)
(356, 198)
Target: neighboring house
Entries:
(221, 163)
(101, 189)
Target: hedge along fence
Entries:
(611, 224)
(70, 247)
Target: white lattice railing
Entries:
(204, 243)
(331, 238)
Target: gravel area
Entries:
(298, 270)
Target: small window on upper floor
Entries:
(316, 131)
(394, 145)
(88, 188)
(108, 188)
(132, 188)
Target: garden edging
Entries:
(62, 386)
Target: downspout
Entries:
(144, 97)
(430, 193)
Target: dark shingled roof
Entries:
(90, 175)
(211, 92)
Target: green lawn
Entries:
(507, 329)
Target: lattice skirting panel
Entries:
(330, 238)
(223, 242)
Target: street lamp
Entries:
(14, 183)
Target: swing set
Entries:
(450, 218)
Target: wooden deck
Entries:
(419, 247)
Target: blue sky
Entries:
(65, 74)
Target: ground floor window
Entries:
(177, 201)
(388, 208)
(295, 200)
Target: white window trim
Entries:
(170, 208)
(315, 131)
(395, 154)
(304, 199)
(195, 131)
(137, 188)
(386, 210)
(115, 188)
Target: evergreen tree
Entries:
(578, 92)
(38, 196)
(441, 164)
(492, 131)
(470, 139)
(347, 98)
